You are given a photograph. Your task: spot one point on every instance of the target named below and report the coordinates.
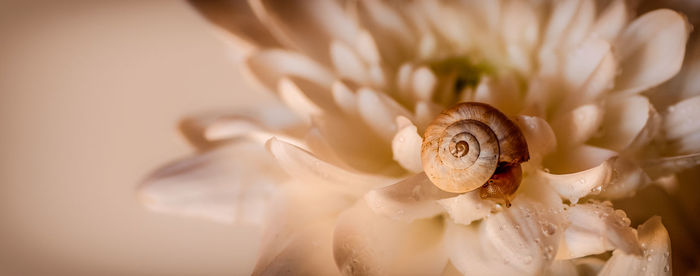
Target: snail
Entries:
(473, 145)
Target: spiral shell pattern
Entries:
(465, 144)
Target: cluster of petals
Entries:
(333, 173)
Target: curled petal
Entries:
(406, 146)
(267, 67)
(412, 198)
(232, 183)
(596, 228)
(302, 165)
(365, 243)
(656, 257)
(651, 50)
(467, 208)
(522, 239)
(574, 186)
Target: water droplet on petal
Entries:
(667, 268)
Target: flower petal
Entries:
(232, 183)
(578, 125)
(651, 50)
(407, 200)
(624, 120)
(380, 112)
(302, 165)
(236, 18)
(308, 26)
(348, 63)
(406, 146)
(539, 136)
(665, 166)
(307, 252)
(371, 153)
(467, 208)
(596, 228)
(267, 67)
(574, 186)
(298, 234)
(611, 21)
(681, 125)
(365, 243)
(522, 239)
(627, 179)
(656, 259)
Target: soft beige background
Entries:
(90, 92)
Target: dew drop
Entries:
(667, 268)
(546, 170)
(528, 259)
(596, 189)
(549, 229)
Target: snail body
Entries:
(473, 145)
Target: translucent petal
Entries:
(406, 146)
(596, 228)
(232, 183)
(409, 199)
(365, 243)
(651, 50)
(656, 259)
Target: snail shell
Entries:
(466, 144)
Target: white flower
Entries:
(344, 186)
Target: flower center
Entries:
(456, 74)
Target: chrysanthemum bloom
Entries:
(344, 188)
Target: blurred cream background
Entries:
(90, 94)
